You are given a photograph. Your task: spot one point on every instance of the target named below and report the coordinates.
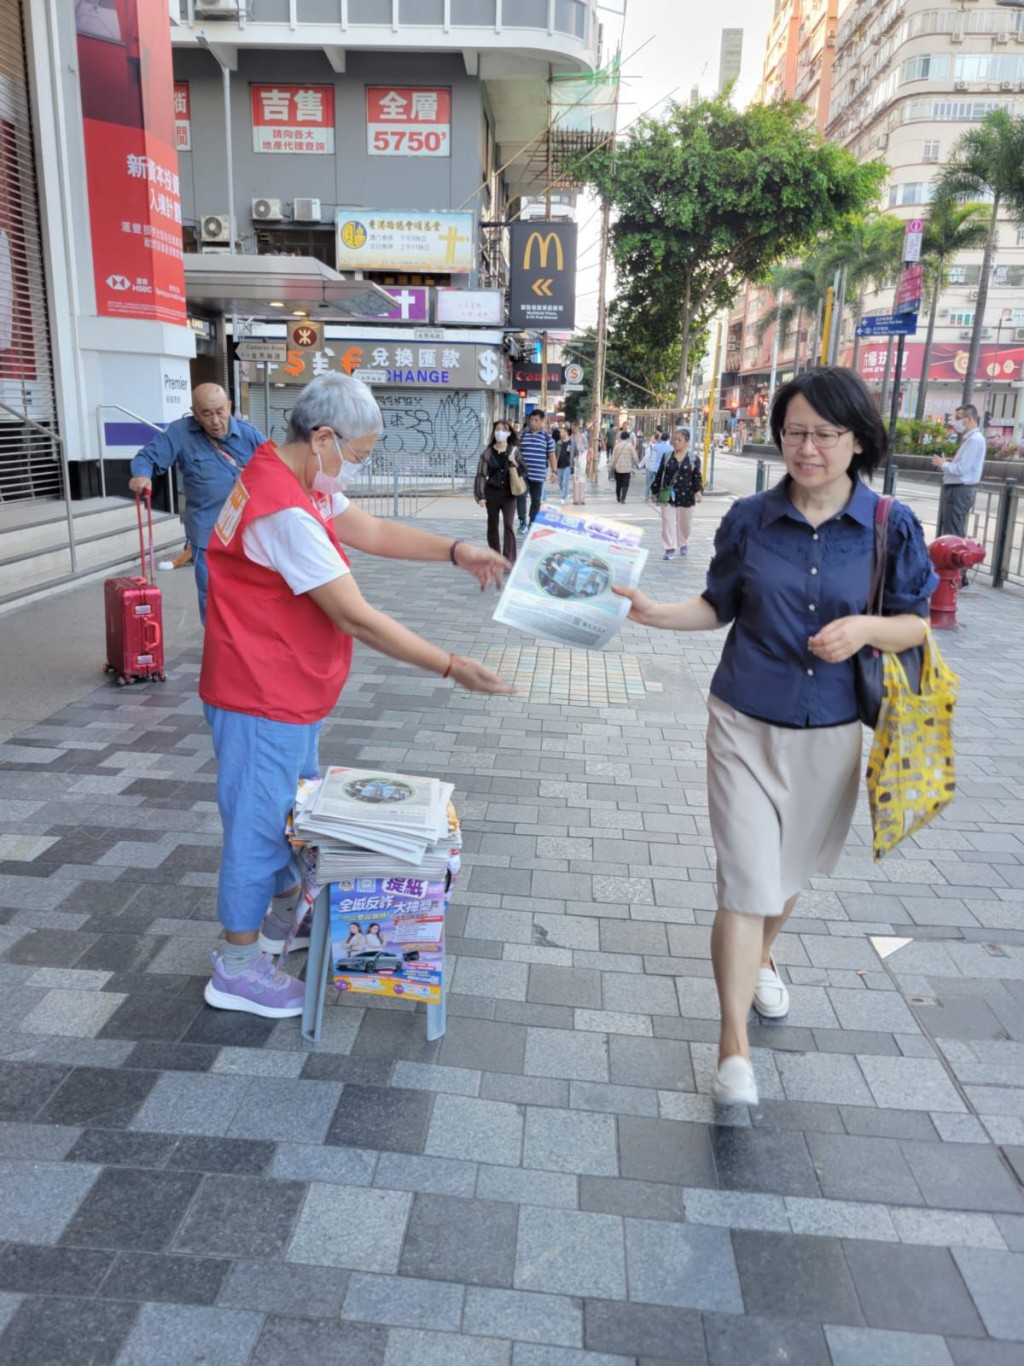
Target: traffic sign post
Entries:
(888, 325)
(265, 352)
(912, 240)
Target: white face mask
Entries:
(958, 424)
(501, 438)
(330, 484)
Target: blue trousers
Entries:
(259, 764)
(202, 579)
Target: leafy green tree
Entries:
(952, 227)
(796, 286)
(987, 162)
(708, 196)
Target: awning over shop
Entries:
(276, 286)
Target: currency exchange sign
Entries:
(542, 287)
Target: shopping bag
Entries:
(516, 482)
(911, 774)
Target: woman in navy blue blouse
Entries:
(790, 577)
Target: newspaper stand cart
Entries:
(318, 972)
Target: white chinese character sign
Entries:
(378, 239)
(406, 122)
(293, 119)
(182, 117)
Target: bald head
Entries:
(211, 408)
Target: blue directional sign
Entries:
(888, 325)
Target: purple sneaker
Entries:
(274, 931)
(261, 989)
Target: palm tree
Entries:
(869, 249)
(987, 161)
(797, 290)
(952, 227)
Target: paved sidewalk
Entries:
(549, 1185)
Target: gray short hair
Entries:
(340, 402)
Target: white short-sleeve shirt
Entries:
(295, 545)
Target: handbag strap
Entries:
(876, 584)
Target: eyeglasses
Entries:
(823, 437)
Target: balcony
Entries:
(501, 32)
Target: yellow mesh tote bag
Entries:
(911, 773)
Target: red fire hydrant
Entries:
(951, 555)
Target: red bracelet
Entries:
(451, 664)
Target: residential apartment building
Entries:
(905, 79)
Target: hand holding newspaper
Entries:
(561, 586)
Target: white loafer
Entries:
(771, 999)
(734, 1082)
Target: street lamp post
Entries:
(203, 41)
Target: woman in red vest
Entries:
(282, 613)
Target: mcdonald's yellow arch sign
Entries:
(542, 288)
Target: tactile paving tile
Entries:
(549, 673)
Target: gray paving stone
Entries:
(36, 1142)
(814, 1283)
(869, 1010)
(612, 1100)
(483, 977)
(182, 1335)
(523, 1316)
(275, 1287)
(532, 1354)
(67, 1330)
(644, 995)
(326, 1342)
(963, 1176)
(8, 1304)
(241, 1216)
(648, 1331)
(688, 1267)
(189, 1103)
(947, 1228)
(910, 1084)
(423, 1076)
(841, 1219)
(286, 1110)
(564, 986)
(570, 1253)
(548, 1189)
(443, 1349)
(732, 1339)
(404, 1302)
(37, 1199)
(524, 1090)
(570, 1141)
(561, 1053)
(338, 1166)
(857, 1168)
(471, 1129)
(661, 1063)
(665, 1150)
(350, 1227)
(994, 1280)
(820, 1077)
(854, 1346)
(467, 1241)
(911, 1289)
(432, 1175)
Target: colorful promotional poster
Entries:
(128, 108)
(387, 937)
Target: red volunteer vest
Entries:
(267, 651)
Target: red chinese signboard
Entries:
(909, 290)
(131, 163)
(297, 119)
(182, 117)
(948, 361)
(405, 122)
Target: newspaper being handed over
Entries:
(561, 586)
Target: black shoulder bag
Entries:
(868, 668)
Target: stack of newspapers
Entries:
(366, 823)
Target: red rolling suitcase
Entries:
(134, 615)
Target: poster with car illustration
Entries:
(387, 937)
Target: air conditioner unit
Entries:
(217, 9)
(965, 334)
(830, 41)
(306, 211)
(1006, 85)
(956, 37)
(959, 85)
(1002, 38)
(216, 227)
(266, 211)
(943, 312)
(972, 294)
(1018, 334)
(882, 140)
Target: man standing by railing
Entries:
(960, 475)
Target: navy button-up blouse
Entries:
(779, 580)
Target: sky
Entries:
(684, 53)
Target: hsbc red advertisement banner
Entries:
(948, 360)
(293, 119)
(127, 86)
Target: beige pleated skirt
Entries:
(781, 803)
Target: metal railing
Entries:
(51, 435)
(136, 417)
(395, 486)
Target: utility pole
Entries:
(547, 215)
(600, 353)
(711, 402)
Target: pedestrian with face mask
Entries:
(492, 487)
(283, 610)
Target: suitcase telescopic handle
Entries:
(142, 546)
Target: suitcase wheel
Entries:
(122, 681)
(160, 678)
(109, 669)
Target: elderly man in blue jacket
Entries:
(211, 448)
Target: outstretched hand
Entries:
(486, 565)
(476, 677)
